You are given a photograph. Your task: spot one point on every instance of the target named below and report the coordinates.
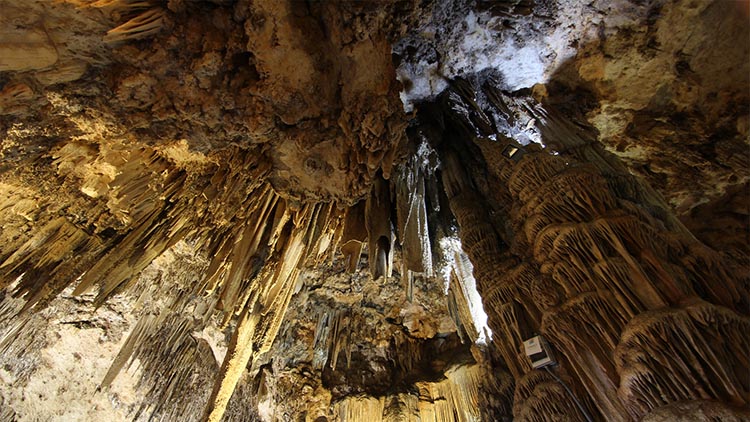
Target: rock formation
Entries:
(250, 210)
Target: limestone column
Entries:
(503, 280)
(622, 297)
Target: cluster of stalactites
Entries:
(153, 204)
(256, 243)
(306, 237)
(332, 336)
(143, 203)
(539, 397)
(173, 365)
(371, 223)
(140, 19)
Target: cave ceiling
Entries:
(256, 209)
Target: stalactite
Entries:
(455, 398)
(530, 174)
(497, 391)
(174, 364)
(321, 340)
(266, 307)
(379, 229)
(406, 353)
(18, 344)
(571, 327)
(459, 308)
(410, 195)
(584, 254)
(144, 25)
(147, 210)
(354, 235)
(327, 229)
(632, 239)
(364, 408)
(604, 260)
(479, 239)
(565, 251)
(332, 336)
(239, 353)
(580, 243)
(704, 267)
(60, 249)
(248, 250)
(515, 315)
(401, 408)
(572, 138)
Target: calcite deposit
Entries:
(255, 210)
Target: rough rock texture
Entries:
(283, 210)
(319, 96)
(674, 105)
(359, 348)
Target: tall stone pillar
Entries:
(503, 280)
(644, 315)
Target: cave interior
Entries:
(396, 210)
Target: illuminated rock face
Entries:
(226, 204)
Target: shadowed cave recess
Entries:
(313, 211)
